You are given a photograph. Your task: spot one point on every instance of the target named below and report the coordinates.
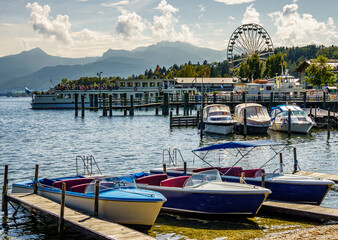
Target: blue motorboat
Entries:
(284, 187)
(205, 193)
(119, 199)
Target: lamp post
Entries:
(99, 75)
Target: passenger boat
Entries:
(205, 193)
(148, 90)
(119, 199)
(300, 122)
(284, 187)
(217, 119)
(257, 118)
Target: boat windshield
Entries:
(220, 118)
(218, 113)
(203, 178)
(107, 183)
(256, 111)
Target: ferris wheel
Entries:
(246, 40)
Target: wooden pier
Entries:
(77, 220)
(332, 177)
(302, 210)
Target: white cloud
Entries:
(186, 35)
(47, 26)
(115, 4)
(202, 8)
(294, 29)
(251, 15)
(130, 24)
(231, 19)
(164, 24)
(233, 2)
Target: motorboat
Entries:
(257, 118)
(119, 199)
(300, 122)
(217, 119)
(205, 193)
(284, 186)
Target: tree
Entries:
(252, 68)
(320, 73)
(187, 71)
(203, 71)
(329, 52)
(273, 65)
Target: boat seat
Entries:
(154, 180)
(204, 169)
(72, 182)
(174, 182)
(250, 173)
(79, 188)
(231, 172)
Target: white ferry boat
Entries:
(146, 89)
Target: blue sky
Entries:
(80, 28)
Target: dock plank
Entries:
(89, 225)
(304, 210)
(333, 177)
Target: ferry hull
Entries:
(219, 128)
(56, 105)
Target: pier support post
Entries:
(131, 111)
(110, 105)
(76, 104)
(171, 118)
(125, 112)
(4, 192)
(259, 98)
(214, 97)
(271, 100)
(324, 100)
(156, 111)
(165, 109)
(245, 127)
(82, 105)
(243, 97)
(164, 168)
(263, 178)
(177, 108)
(91, 101)
(96, 198)
(328, 123)
(295, 161)
(62, 209)
(231, 97)
(281, 162)
(185, 168)
(96, 102)
(289, 122)
(304, 99)
(36, 176)
(104, 111)
(186, 104)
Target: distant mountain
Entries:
(35, 68)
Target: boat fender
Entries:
(135, 88)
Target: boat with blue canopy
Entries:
(284, 186)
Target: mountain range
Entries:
(36, 69)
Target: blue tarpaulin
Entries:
(241, 144)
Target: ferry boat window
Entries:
(268, 88)
(68, 96)
(137, 84)
(129, 84)
(122, 84)
(59, 96)
(144, 84)
(152, 84)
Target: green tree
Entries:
(252, 68)
(273, 65)
(329, 52)
(203, 71)
(320, 73)
(187, 71)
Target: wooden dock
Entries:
(332, 177)
(184, 121)
(84, 223)
(303, 210)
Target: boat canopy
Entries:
(241, 144)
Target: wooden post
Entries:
(4, 191)
(165, 110)
(164, 168)
(310, 110)
(177, 108)
(304, 104)
(125, 99)
(104, 111)
(324, 100)
(131, 111)
(36, 178)
(271, 100)
(259, 98)
(328, 123)
(156, 111)
(231, 97)
(263, 178)
(214, 97)
(185, 168)
(110, 105)
(96, 102)
(242, 180)
(82, 105)
(245, 127)
(295, 161)
(289, 122)
(243, 97)
(96, 198)
(62, 209)
(91, 101)
(171, 118)
(76, 104)
(198, 116)
(185, 104)
(125, 112)
(281, 162)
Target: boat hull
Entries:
(124, 212)
(56, 105)
(295, 127)
(218, 128)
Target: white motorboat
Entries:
(217, 119)
(300, 122)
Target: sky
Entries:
(86, 28)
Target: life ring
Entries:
(135, 88)
(159, 88)
(311, 93)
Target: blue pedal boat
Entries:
(205, 193)
(284, 187)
